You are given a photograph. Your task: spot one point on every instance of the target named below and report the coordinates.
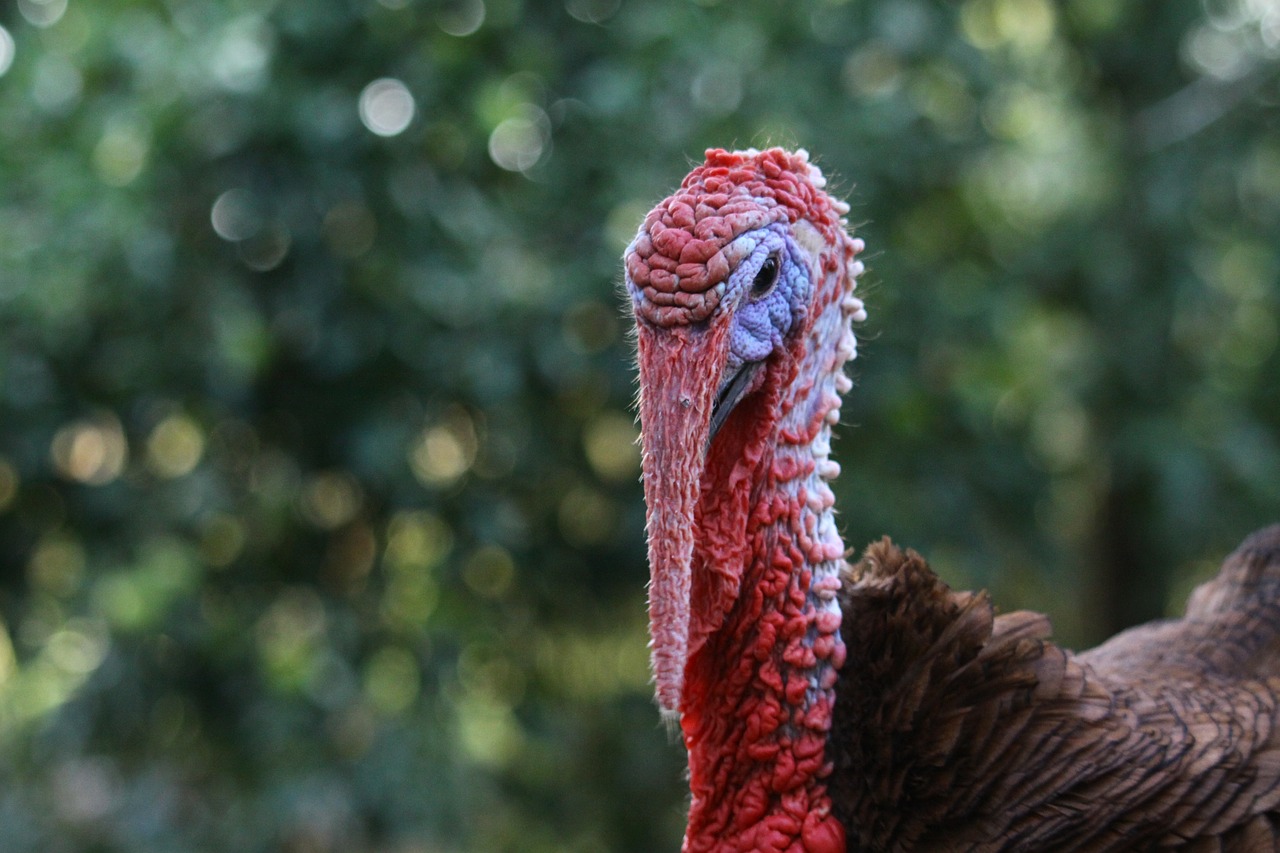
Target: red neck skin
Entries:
(760, 685)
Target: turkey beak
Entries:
(732, 389)
(678, 388)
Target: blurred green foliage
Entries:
(319, 515)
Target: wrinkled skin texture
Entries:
(742, 288)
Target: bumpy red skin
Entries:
(752, 619)
(678, 256)
(755, 730)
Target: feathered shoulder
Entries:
(959, 729)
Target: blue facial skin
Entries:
(765, 308)
(761, 320)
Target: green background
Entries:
(320, 525)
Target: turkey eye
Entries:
(766, 278)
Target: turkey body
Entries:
(958, 729)
(827, 707)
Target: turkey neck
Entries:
(760, 690)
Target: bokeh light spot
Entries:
(518, 143)
(592, 11)
(288, 635)
(57, 566)
(330, 499)
(42, 13)
(461, 17)
(489, 731)
(445, 451)
(872, 72)
(120, 155)
(1215, 53)
(386, 107)
(717, 89)
(267, 249)
(610, 441)
(91, 451)
(175, 446)
(1025, 24)
(7, 51)
(241, 57)
(392, 680)
(79, 648)
(236, 215)
(409, 601)
(489, 571)
(122, 601)
(417, 540)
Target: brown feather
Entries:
(959, 730)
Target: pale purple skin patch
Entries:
(761, 323)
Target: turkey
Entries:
(827, 706)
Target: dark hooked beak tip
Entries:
(732, 389)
